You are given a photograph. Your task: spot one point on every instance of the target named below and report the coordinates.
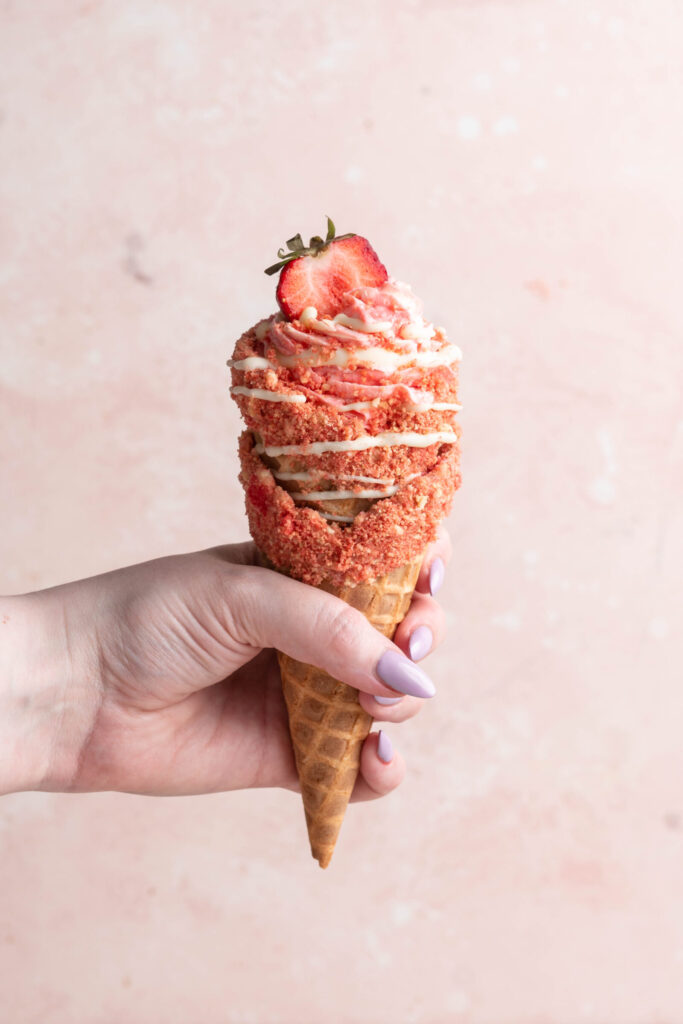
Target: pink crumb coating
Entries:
(321, 417)
(395, 530)
(394, 465)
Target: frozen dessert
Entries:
(349, 462)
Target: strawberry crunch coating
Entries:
(299, 541)
(350, 458)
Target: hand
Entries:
(160, 678)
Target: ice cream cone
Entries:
(326, 722)
(349, 462)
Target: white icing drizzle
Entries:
(376, 358)
(309, 319)
(365, 327)
(427, 407)
(267, 396)
(417, 331)
(252, 363)
(340, 495)
(320, 475)
(296, 476)
(373, 479)
(389, 440)
(337, 519)
(359, 405)
(262, 329)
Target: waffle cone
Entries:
(326, 722)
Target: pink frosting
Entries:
(392, 305)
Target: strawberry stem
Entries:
(297, 249)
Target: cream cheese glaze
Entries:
(267, 396)
(336, 519)
(357, 444)
(309, 477)
(386, 492)
(422, 401)
(375, 358)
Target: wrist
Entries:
(46, 704)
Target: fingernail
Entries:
(400, 674)
(388, 700)
(420, 642)
(385, 748)
(437, 572)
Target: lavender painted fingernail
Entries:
(388, 700)
(420, 642)
(400, 674)
(437, 572)
(385, 748)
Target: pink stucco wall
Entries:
(520, 164)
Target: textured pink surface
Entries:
(520, 164)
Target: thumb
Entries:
(271, 610)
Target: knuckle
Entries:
(397, 713)
(425, 611)
(235, 601)
(342, 631)
(447, 544)
(409, 710)
(443, 545)
(231, 583)
(439, 621)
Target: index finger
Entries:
(267, 609)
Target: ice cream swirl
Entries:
(369, 392)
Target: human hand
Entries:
(160, 678)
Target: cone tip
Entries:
(323, 857)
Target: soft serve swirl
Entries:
(369, 393)
(379, 344)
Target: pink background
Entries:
(520, 164)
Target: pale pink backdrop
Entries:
(519, 163)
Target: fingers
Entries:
(419, 633)
(262, 608)
(422, 629)
(433, 568)
(245, 553)
(381, 768)
(403, 709)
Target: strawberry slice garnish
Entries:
(321, 273)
